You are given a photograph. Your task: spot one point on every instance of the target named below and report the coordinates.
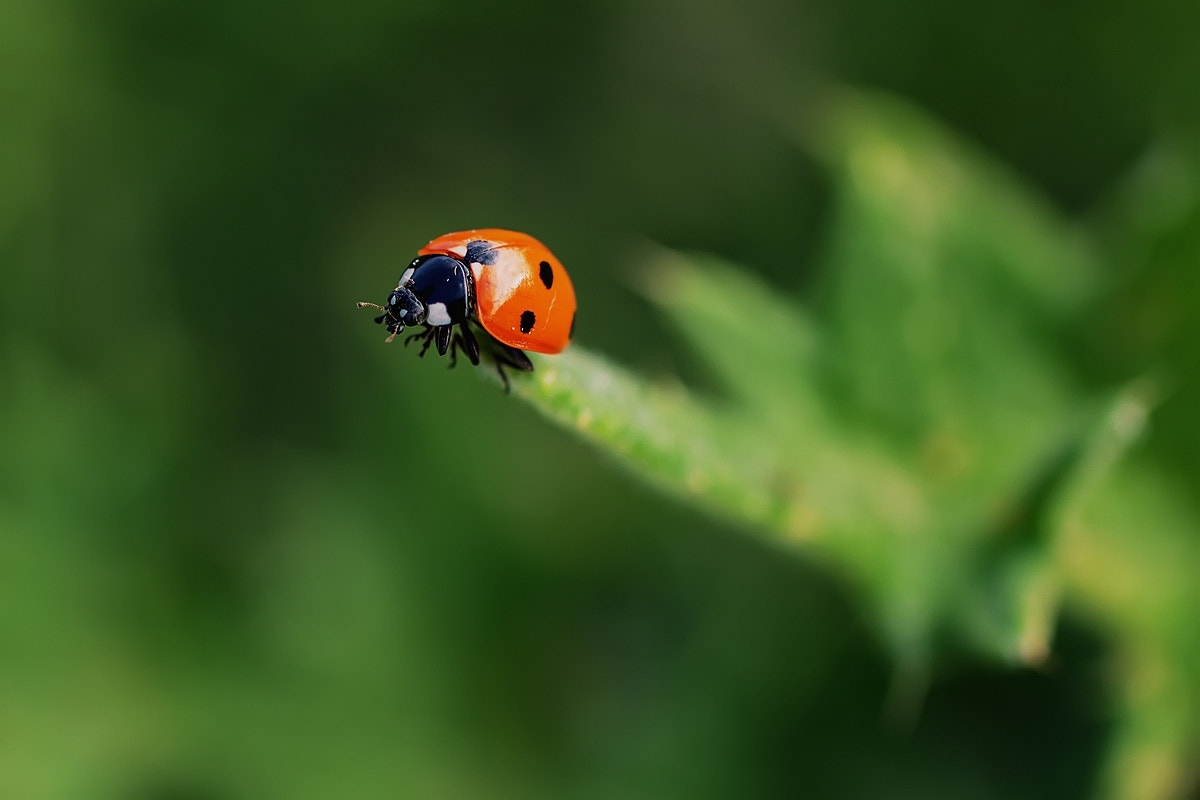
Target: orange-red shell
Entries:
(523, 296)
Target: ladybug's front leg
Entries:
(425, 335)
(443, 338)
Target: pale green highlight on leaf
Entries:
(913, 431)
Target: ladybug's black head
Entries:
(401, 309)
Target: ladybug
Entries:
(507, 283)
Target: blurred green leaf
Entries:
(937, 331)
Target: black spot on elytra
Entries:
(480, 252)
(527, 320)
(546, 273)
(571, 332)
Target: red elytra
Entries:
(523, 296)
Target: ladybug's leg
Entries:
(443, 338)
(510, 356)
(513, 357)
(428, 341)
(469, 344)
(466, 340)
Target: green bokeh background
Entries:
(248, 551)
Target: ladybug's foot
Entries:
(428, 334)
(505, 355)
(466, 340)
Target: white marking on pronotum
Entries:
(437, 314)
(504, 275)
(405, 277)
